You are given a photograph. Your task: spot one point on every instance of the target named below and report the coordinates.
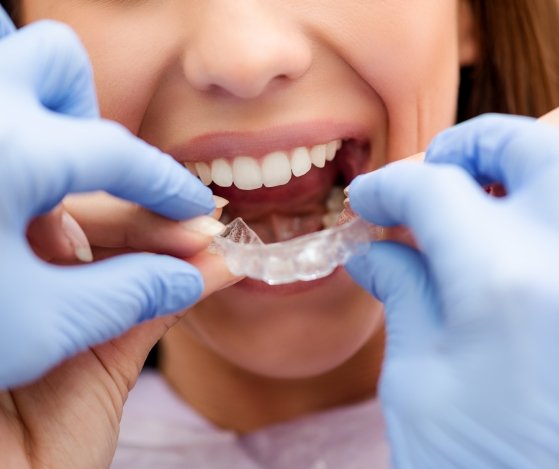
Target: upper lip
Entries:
(229, 144)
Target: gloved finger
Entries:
(51, 66)
(212, 266)
(114, 223)
(441, 205)
(6, 24)
(141, 339)
(121, 292)
(57, 235)
(508, 149)
(90, 155)
(398, 276)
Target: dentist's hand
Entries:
(52, 142)
(6, 25)
(470, 377)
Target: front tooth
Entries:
(276, 170)
(205, 173)
(300, 161)
(222, 173)
(331, 150)
(246, 173)
(318, 155)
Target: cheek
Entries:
(118, 99)
(127, 70)
(129, 48)
(412, 63)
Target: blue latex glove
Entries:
(52, 142)
(470, 377)
(6, 25)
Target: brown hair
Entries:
(517, 71)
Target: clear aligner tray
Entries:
(304, 258)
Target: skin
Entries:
(173, 71)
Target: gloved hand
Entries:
(470, 376)
(6, 25)
(52, 142)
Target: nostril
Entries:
(245, 77)
(245, 63)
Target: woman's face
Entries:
(209, 80)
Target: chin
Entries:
(312, 362)
(284, 182)
(289, 336)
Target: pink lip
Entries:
(259, 143)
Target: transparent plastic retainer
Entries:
(305, 258)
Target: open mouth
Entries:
(286, 193)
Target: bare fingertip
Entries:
(220, 202)
(205, 225)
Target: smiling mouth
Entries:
(285, 193)
(273, 170)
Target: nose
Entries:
(242, 47)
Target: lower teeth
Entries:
(334, 205)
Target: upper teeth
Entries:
(274, 169)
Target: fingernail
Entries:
(346, 203)
(77, 238)
(205, 225)
(220, 202)
(346, 191)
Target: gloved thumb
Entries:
(398, 276)
(103, 300)
(47, 61)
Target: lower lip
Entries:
(257, 286)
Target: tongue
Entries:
(283, 212)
